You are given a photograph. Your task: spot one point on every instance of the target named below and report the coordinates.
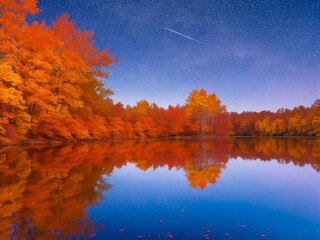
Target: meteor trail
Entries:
(170, 30)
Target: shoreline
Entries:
(31, 143)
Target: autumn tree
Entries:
(315, 118)
(50, 77)
(278, 127)
(202, 108)
(297, 125)
(13, 110)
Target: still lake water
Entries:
(223, 188)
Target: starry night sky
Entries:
(254, 55)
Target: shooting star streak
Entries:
(170, 30)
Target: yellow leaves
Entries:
(196, 102)
(200, 101)
(278, 127)
(297, 125)
(12, 104)
(7, 76)
(23, 123)
(270, 128)
(264, 127)
(142, 108)
(10, 96)
(202, 108)
(2, 129)
(316, 125)
(201, 176)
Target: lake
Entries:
(220, 188)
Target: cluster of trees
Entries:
(300, 121)
(202, 113)
(49, 76)
(51, 87)
(48, 199)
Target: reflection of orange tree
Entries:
(12, 185)
(201, 176)
(205, 165)
(46, 190)
(299, 151)
(38, 201)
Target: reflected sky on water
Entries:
(223, 188)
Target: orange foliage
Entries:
(51, 89)
(300, 121)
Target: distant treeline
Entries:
(300, 121)
(51, 89)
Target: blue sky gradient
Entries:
(254, 55)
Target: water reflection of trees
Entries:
(43, 195)
(299, 151)
(45, 191)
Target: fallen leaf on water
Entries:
(263, 235)
(208, 231)
(91, 236)
(205, 235)
(103, 228)
(243, 226)
(227, 234)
